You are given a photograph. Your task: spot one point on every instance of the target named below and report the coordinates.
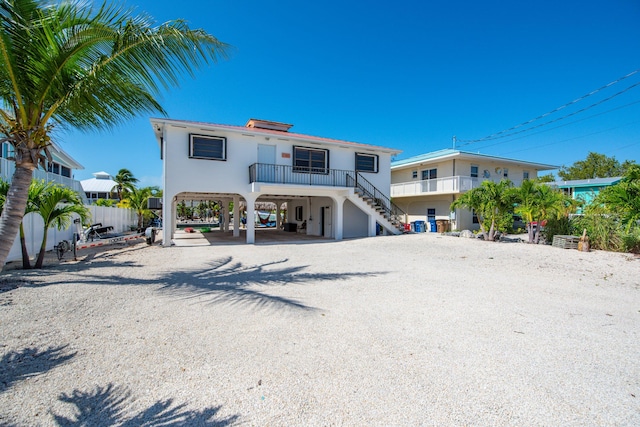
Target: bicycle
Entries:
(62, 247)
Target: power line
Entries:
(562, 125)
(505, 133)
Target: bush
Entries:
(603, 230)
(555, 227)
(631, 241)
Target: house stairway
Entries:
(371, 200)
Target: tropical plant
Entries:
(492, 202)
(36, 191)
(90, 67)
(137, 200)
(125, 182)
(105, 202)
(623, 199)
(57, 206)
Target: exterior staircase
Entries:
(369, 198)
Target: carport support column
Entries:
(236, 216)
(225, 214)
(338, 221)
(278, 218)
(251, 218)
(168, 219)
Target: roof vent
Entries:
(269, 125)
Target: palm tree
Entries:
(74, 64)
(623, 199)
(137, 199)
(36, 191)
(57, 207)
(492, 202)
(125, 182)
(526, 204)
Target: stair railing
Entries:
(367, 189)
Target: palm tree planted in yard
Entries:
(70, 63)
(492, 203)
(125, 182)
(58, 206)
(137, 200)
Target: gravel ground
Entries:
(417, 329)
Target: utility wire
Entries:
(561, 125)
(505, 133)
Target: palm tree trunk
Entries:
(14, 208)
(26, 263)
(43, 248)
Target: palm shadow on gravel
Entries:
(108, 406)
(226, 281)
(19, 365)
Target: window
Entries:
(475, 217)
(310, 160)
(474, 171)
(366, 163)
(505, 172)
(429, 174)
(54, 168)
(414, 174)
(431, 214)
(525, 175)
(65, 171)
(207, 147)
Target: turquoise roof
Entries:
(450, 152)
(594, 182)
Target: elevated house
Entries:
(424, 186)
(332, 188)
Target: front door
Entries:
(267, 160)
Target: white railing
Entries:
(8, 167)
(451, 184)
(447, 185)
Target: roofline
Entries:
(587, 182)
(156, 122)
(449, 153)
(62, 155)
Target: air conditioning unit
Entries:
(154, 203)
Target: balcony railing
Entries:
(8, 167)
(447, 185)
(281, 174)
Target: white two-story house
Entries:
(337, 189)
(59, 169)
(424, 186)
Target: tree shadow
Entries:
(107, 406)
(235, 283)
(18, 365)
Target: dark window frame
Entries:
(193, 138)
(476, 173)
(429, 173)
(298, 150)
(376, 162)
(299, 213)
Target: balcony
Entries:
(447, 185)
(281, 174)
(7, 167)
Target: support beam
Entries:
(338, 217)
(236, 216)
(251, 217)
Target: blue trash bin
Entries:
(433, 227)
(420, 227)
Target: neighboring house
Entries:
(585, 189)
(337, 189)
(424, 186)
(99, 187)
(59, 169)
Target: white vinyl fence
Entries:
(120, 219)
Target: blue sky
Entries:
(408, 75)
